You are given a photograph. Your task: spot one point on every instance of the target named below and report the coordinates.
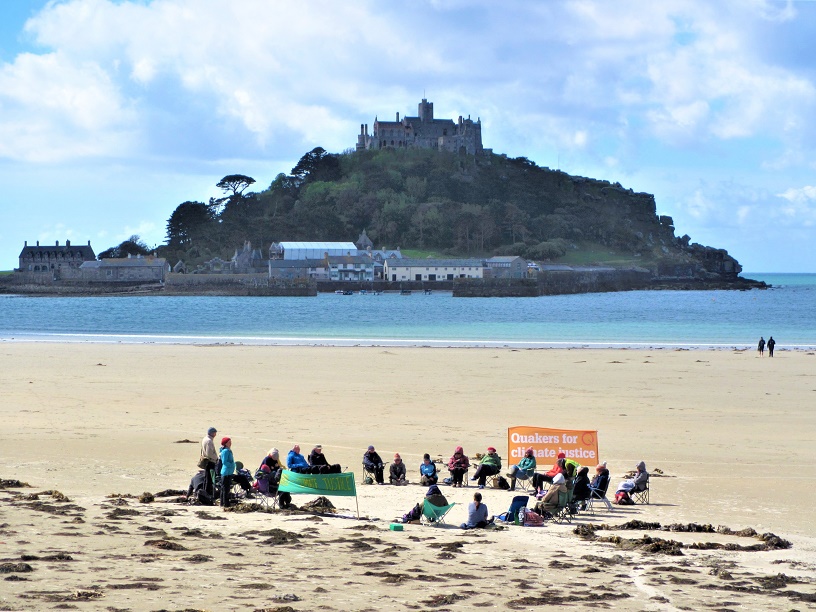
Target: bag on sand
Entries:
(501, 483)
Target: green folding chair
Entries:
(434, 515)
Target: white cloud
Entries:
(802, 195)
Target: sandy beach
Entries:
(732, 433)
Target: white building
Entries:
(432, 269)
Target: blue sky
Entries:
(114, 112)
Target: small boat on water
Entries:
(405, 292)
(344, 292)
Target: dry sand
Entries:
(733, 434)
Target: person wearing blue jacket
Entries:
(227, 470)
(297, 462)
(427, 471)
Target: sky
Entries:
(112, 113)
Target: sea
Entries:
(631, 319)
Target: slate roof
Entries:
(86, 250)
(436, 263)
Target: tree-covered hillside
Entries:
(451, 204)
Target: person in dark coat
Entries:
(375, 465)
(319, 463)
(761, 346)
(771, 344)
(581, 491)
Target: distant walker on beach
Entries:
(771, 345)
(761, 346)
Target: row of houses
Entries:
(361, 268)
(330, 261)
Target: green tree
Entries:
(189, 223)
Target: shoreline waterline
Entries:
(209, 340)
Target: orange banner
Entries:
(582, 446)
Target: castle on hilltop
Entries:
(424, 132)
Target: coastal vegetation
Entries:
(434, 203)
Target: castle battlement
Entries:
(423, 132)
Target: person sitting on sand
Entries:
(427, 471)
(272, 461)
(560, 467)
(549, 502)
(524, 470)
(458, 465)
(477, 514)
(319, 464)
(373, 464)
(490, 465)
(398, 472)
(297, 462)
(433, 496)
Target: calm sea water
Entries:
(634, 318)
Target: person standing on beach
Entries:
(761, 346)
(227, 470)
(209, 455)
(771, 344)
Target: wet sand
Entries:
(732, 434)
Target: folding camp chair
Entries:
(371, 475)
(267, 492)
(641, 495)
(434, 515)
(560, 513)
(519, 502)
(524, 480)
(598, 495)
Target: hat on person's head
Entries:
(490, 449)
(562, 455)
(599, 467)
(371, 447)
(558, 479)
(212, 431)
(397, 456)
(266, 468)
(458, 450)
(529, 451)
(433, 490)
(224, 440)
(239, 465)
(319, 446)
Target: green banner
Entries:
(321, 484)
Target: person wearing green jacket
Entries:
(490, 465)
(524, 470)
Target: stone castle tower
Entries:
(424, 132)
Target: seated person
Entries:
(272, 461)
(641, 478)
(319, 464)
(433, 496)
(581, 491)
(242, 477)
(560, 467)
(427, 471)
(398, 471)
(524, 470)
(375, 465)
(549, 503)
(600, 483)
(490, 465)
(458, 465)
(477, 514)
(297, 462)
(198, 487)
(625, 489)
